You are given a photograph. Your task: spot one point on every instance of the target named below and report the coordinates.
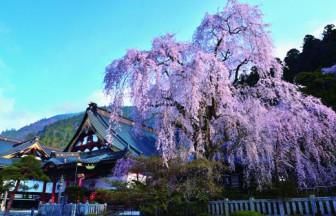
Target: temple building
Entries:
(89, 158)
(12, 150)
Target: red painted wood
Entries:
(43, 195)
(53, 193)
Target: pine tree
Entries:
(26, 168)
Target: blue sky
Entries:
(53, 53)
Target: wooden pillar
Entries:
(53, 195)
(60, 190)
(80, 184)
(3, 203)
(43, 195)
(80, 181)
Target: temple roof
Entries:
(93, 157)
(11, 150)
(24, 147)
(6, 143)
(122, 138)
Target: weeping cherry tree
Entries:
(191, 94)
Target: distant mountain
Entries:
(34, 128)
(59, 134)
(55, 131)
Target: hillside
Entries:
(58, 134)
(34, 128)
(55, 131)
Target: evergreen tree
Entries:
(26, 168)
(305, 67)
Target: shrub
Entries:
(75, 194)
(246, 213)
(182, 189)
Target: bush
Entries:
(76, 194)
(246, 213)
(180, 190)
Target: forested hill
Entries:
(55, 131)
(314, 67)
(34, 128)
(58, 134)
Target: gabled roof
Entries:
(124, 138)
(6, 144)
(11, 148)
(23, 147)
(93, 157)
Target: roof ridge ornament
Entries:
(93, 107)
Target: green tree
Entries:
(316, 54)
(305, 67)
(310, 58)
(328, 57)
(319, 85)
(179, 189)
(26, 168)
(291, 65)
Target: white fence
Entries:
(325, 206)
(70, 209)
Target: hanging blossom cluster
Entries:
(192, 95)
(122, 167)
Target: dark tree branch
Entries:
(217, 46)
(245, 61)
(226, 55)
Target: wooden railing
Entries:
(276, 207)
(71, 209)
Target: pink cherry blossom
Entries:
(191, 95)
